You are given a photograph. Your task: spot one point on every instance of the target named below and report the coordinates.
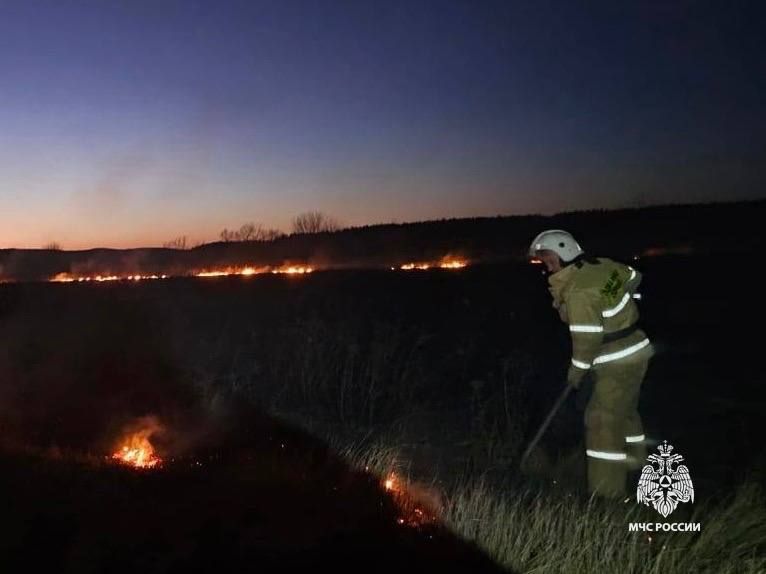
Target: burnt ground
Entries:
(258, 496)
(463, 364)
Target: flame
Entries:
(411, 266)
(247, 271)
(453, 264)
(417, 504)
(63, 278)
(444, 263)
(250, 270)
(293, 270)
(225, 272)
(136, 450)
(141, 456)
(69, 278)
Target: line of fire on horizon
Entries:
(248, 270)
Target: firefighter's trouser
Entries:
(614, 435)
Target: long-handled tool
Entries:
(556, 406)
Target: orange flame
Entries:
(288, 269)
(247, 271)
(293, 270)
(417, 505)
(136, 450)
(453, 264)
(224, 272)
(69, 278)
(445, 263)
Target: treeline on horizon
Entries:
(714, 228)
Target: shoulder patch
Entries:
(613, 286)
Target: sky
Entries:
(126, 124)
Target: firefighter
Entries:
(596, 297)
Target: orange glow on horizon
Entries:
(447, 263)
(444, 263)
(69, 278)
(249, 271)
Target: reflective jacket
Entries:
(597, 301)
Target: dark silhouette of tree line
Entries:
(707, 229)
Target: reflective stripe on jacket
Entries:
(595, 299)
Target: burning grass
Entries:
(528, 529)
(418, 506)
(69, 278)
(245, 271)
(136, 450)
(368, 374)
(445, 263)
(272, 498)
(250, 271)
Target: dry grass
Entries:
(562, 532)
(559, 532)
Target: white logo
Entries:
(664, 483)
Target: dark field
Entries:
(454, 368)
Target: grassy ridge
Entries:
(540, 530)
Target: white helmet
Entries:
(560, 242)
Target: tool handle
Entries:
(556, 406)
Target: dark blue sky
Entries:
(129, 123)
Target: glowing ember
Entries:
(417, 504)
(136, 450)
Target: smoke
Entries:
(144, 428)
(111, 192)
(79, 366)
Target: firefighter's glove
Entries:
(575, 376)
